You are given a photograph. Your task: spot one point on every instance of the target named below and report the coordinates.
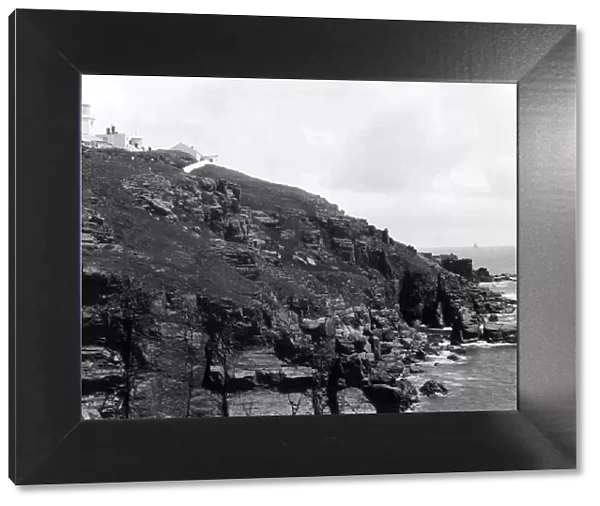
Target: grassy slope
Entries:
(173, 257)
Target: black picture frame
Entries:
(49, 50)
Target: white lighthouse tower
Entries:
(87, 120)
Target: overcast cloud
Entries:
(433, 162)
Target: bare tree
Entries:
(294, 405)
(189, 322)
(219, 350)
(133, 303)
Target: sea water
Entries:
(485, 378)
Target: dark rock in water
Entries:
(453, 357)
(495, 332)
(408, 390)
(389, 399)
(432, 387)
(416, 370)
(483, 275)
(493, 318)
(419, 355)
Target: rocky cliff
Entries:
(214, 293)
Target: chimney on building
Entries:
(112, 129)
(107, 130)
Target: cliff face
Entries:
(172, 260)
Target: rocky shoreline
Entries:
(359, 353)
(231, 296)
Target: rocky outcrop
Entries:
(432, 387)
(494, 332)
(391, 399)
(482, 275)
(461, 266)
(96, 234)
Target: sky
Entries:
(435, 163)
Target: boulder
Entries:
(354, 370)
(381, 377)
(483, 275)
(432, 387)
(391, 399)
(497, 332)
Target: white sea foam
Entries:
(485, 344)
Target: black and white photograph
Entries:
(255, 247)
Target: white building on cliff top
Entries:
(180, 146)
(110, 139)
